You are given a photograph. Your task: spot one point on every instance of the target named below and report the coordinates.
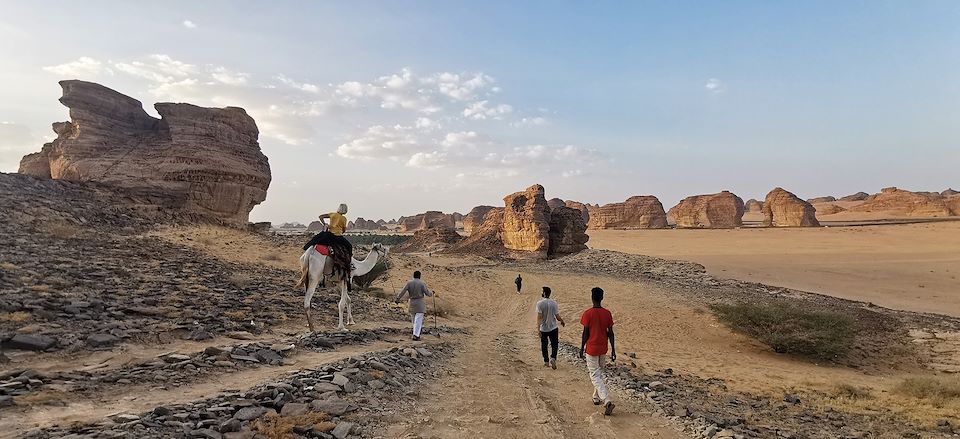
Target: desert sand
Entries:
(913, 267)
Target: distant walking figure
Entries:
(548, 313)
(519, 282)
(597, 329)
(417, 290)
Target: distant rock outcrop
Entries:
(206, 160)
(784, 209)
(859, 196)
(315, 226)
(525, 227)
(362, 224)
(826, 199)
(474, 218)
(949, 193)
(901, 203)
(753, 205)
(426, 220)
(429, 240)
(723, 210)
(638, 212)
(824, 209)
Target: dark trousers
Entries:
(554, 337)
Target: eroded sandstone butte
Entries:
(426, 220)
(753, 206)
(638, 212)
(902, 203)
(567, 231)
(526, 221)
(206, 160)
(784, 209)
(723, 210)
(474, 218)
(583, 208)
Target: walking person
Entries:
(416, 289)
(597, 329)
(548, 314)
(519, 282)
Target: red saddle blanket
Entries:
(322, 249)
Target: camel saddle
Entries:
(323, 249)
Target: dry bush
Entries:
(17, 317)
(274, 426)
(379, 293)
(850, 391)
(43, 397)
(40, 288)
(239, 280)
(206, 241)
(237, 315)
(8, 266)
(934, 389)
(790, 328)
(441, 308)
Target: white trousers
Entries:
(417, 323)
(594, 367)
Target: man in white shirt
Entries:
(548, 314)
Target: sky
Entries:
(400, 107)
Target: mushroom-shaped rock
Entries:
(784, 209)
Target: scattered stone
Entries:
(101, 340)
(294, 409)
(791, 398)
(342, 430)
(30, 342)
(251, 413)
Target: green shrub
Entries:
(791, 328)
(372, 238)
(379, 270)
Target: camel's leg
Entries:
(311, 288)
(344, 303)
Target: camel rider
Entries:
(333, 238)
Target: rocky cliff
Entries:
(567, 231)
(638, 212)
(474, 218)
(206, 160)
(859, 196)
(426, 220)
(526, 221)
(784, 209)
(723, 210)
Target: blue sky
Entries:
(399, 107)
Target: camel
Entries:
(314, 268)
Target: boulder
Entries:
(722, 210)
(859, 196)
(30, 342)
(568, 231)
(205, 161)
(784, 209)
(526, 221)
(474, 218)
(753, 206)
(901, 203)
(639, 212)
(826, 199)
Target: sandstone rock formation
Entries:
(638, 212)
(723, 210)
(567, 231)
(824, 209)
(583, 208)
(901, 203)
(859, 196)
(206, 160)
(826, 199)
(554, 203)
(526, 221)
(430, 240)
(315, 226)
(474, 218)
(784, 209)
(425, 221)
(525, 227)
(753, 205)
(362, 224)
(949, 193)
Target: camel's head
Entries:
(380, 249)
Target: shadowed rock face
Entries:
(753, 206)
(859, 196)
(826, 199)
(207, 159)
(474, 218)
(723, 210)
(583, 208)
(639, 212)
(784, 209)
(568, 231)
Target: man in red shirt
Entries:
(597, 328)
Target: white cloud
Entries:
(714, 85)
(189, 24)
(380, 142)
(481, 111)
(83, 67)
(426, 124)
(226, 76)
(157, 68)
(529, 121)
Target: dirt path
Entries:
(498, 387)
